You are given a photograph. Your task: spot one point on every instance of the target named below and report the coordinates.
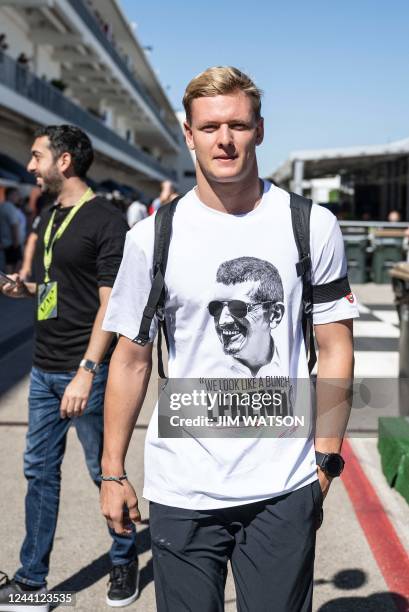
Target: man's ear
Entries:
(277, 313)
(260, 131)
(188, 135)
(64, 161)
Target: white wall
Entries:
(106, 109)
(16, 31)
(45, 66)
(123, 125)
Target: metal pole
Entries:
(407, 190)
(298, 176)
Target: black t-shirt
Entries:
(87, 256)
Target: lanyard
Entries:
(48, 248)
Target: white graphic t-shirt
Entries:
(233, 310)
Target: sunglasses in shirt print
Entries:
(248, 305)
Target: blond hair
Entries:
(219, 81)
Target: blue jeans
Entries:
(45, 448)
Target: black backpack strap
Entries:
(300, 217)
(157, 295)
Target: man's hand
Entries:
(128, 380)
(18, 289)
(76, 394)
(119, 505)
(324, 482)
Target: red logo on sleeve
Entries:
(350, 297)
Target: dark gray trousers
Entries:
(271, 546)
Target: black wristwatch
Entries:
(89, 366)
(331, 464)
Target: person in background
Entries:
(136, 212)
(3, 42)
(77, 255)
(118, 200)
(167, 194)
(394, 216)
(21, 205)
(29, 249)
(10, 230)
(23, 60)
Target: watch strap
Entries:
(322, 460)
(89, 366)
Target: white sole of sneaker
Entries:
(23, 608)
(121, 603)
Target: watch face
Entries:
(334, 465)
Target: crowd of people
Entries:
(18, 223)
(22, 58)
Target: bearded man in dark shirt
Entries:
(78, 252)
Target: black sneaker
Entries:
(123, 584)
(13, 598)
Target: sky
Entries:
(333, 73)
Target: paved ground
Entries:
(347, 577)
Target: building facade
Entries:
(79, 61)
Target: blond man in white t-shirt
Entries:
(255, 501)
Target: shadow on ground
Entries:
(355, 579)
(378, 602)
(85, 577)
(95, 571)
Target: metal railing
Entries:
(88, 18)
(22, 81)
(369, 228)
(377, 224)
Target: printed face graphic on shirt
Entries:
(247, 306)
